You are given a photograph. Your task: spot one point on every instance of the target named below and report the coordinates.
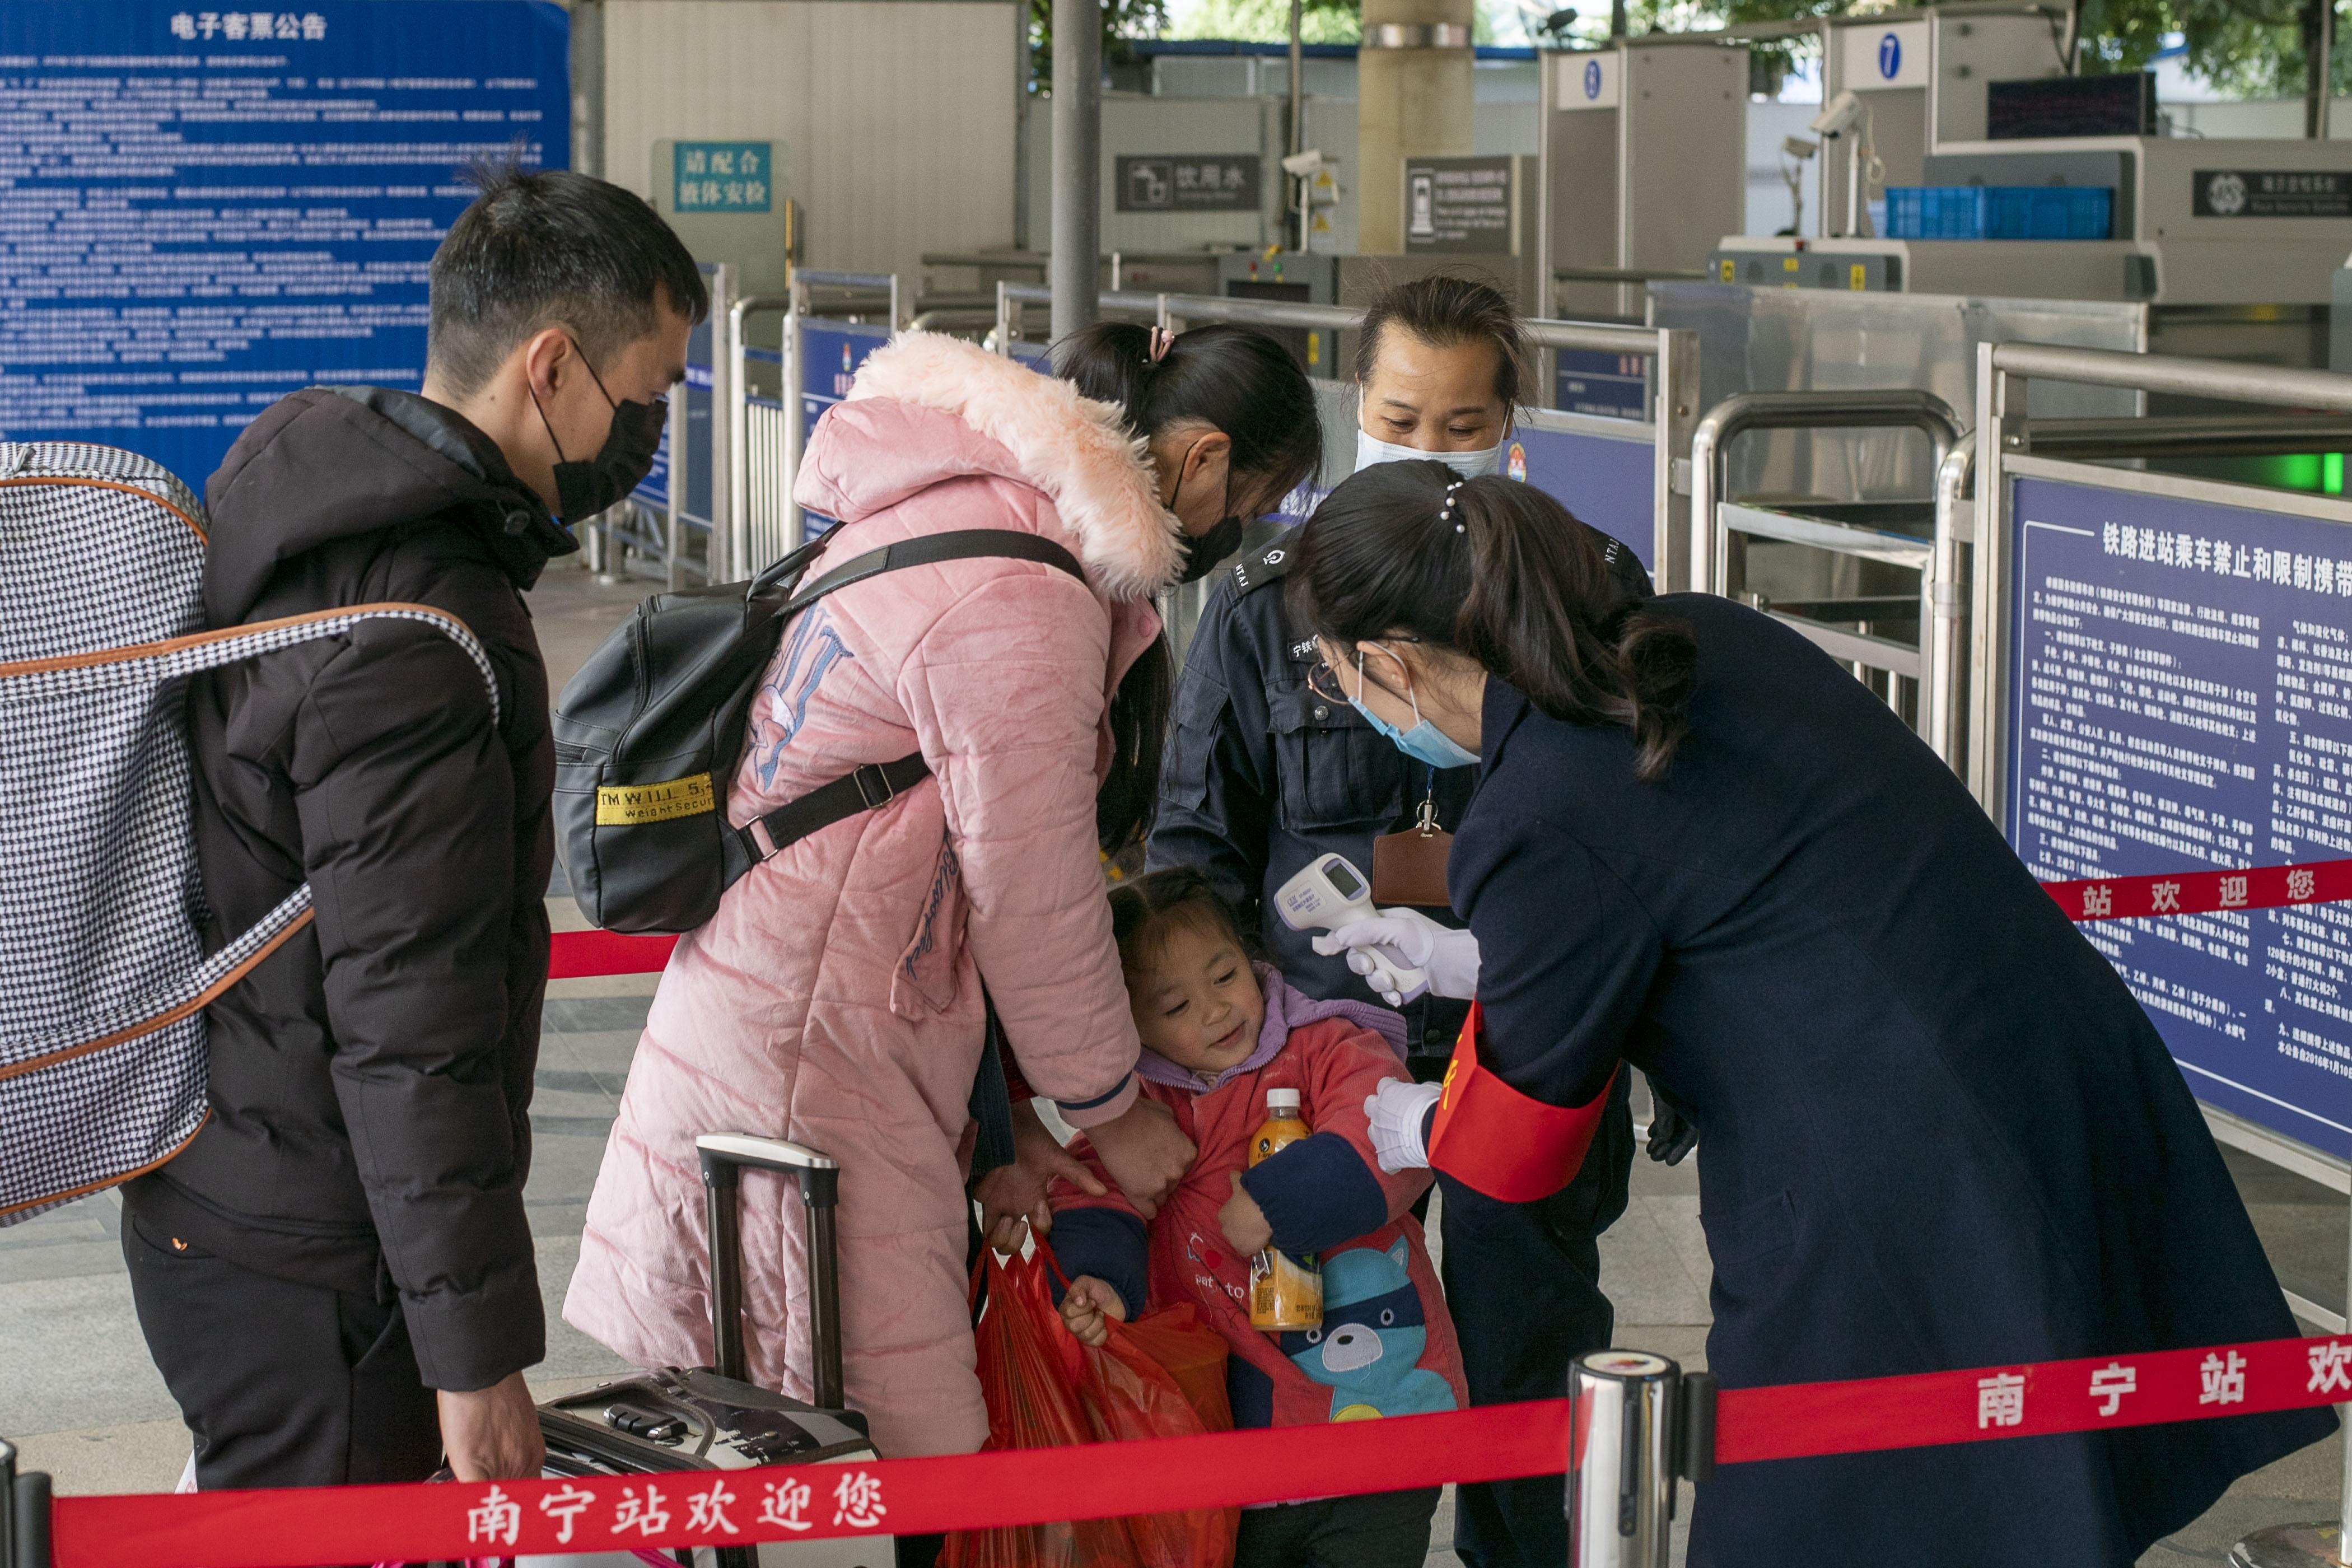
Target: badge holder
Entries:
(1408, 868)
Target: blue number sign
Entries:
(2181, 699)
(207, 209)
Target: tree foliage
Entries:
(2248, 48)
(1268, 21)
(1123, 21)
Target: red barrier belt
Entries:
(2202, 892)
(581, 953)
(293, 1528)
(577, 954)
(1797, 1420)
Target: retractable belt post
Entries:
(23, 1513)
(1636, 1423)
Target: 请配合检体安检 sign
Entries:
(1187, 182)
(207, 209)
(2271, 192)
(2181, 700)
(723, 176)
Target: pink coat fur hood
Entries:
(929, 408)
(835, 997)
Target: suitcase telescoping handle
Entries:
(724, 1156)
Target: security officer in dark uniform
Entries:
(1262, 775)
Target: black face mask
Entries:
(620, 465)
(1201, 554)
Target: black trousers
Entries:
(1523, 1282)
(1385, 1529)
(281, 1385)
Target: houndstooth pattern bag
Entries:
(103, 979)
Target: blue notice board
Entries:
(2181, 698)
(1608, 483)
(203, 210)
(1588, 381)
(694, 400)
(831, 353)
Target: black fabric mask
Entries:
(584, 488)
(1201, 554)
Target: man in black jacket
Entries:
(336, 1276)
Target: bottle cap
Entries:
(1278, 1101)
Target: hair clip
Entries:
(1162, 340)
(1445, 511)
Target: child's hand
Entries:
(1087, 1307)
(1243, 1222)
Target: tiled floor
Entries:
(78, 1394)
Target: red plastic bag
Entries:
(1044, 1390)
(1193, 1355)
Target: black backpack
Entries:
(648, 733)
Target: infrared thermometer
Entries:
(1330, 893)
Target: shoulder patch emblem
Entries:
(1260, 570)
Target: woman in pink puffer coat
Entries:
(835, 997)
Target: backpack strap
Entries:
(879, 784)
(958, 544)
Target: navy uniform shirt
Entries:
(1262, 775)
(1937, 1130)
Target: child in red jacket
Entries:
(1218, 1033)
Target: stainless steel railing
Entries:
(1711, 442)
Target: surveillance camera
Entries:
(1838, 115)
(1304, 165)
(1799, 149)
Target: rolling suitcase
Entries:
(684, 1420)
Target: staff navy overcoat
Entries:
(1936, 1131)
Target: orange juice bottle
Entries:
(1285, 1292)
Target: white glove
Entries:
(1402, 939)
(1397, 1110)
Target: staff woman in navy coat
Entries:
(1936, 1131)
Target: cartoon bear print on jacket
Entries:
(1370, 1346)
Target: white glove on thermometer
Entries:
(1396, 1110)
(1407, 939)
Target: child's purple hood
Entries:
(1287, 1008)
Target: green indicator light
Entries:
(2331, 472)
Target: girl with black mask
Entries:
(1225, 412)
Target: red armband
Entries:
(1508, 1146)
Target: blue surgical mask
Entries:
(1371, 449)
(1425, 742)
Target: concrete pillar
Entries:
(1074, 270)
(1412, 98)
